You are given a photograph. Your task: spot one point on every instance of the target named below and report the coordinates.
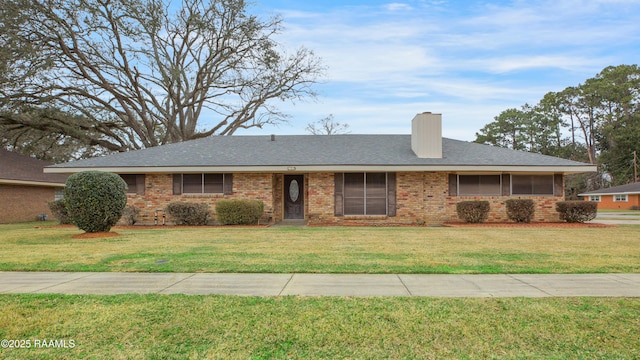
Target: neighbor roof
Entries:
(318, 153)
(633, 188)
(20, 169)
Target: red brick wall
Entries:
(159, 193)
(422, 198)
(24, 203)
(606, 202)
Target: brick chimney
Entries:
(426, 135)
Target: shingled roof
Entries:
(319, 153)
(633, 188)
(20, 169)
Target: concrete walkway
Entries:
(617, 218)
(526, 285)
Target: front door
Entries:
(294, 197)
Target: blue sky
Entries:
(469, 60)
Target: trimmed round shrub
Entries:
(577, 210)
(520, 210)
(184, 213)
(239, 212)
(59, 210)
(473, 211)
(95, 200)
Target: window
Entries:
(135, 183)
(203, 183)
(365, 194)
(595, 198)
(59, 194)
(620, 198)
(479, 185)
(532, 184)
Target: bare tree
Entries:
(141, 73)
(327, 126)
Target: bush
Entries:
(520, 210)
(239, 212)
(188, 213)
(131, 215)
(473, 211)
(577, 211)
(95, 200)
(59, 210)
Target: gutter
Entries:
(327, 168)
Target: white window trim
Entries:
(623, 198)
(59, 194)
(596, 198)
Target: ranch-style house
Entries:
(340, 179)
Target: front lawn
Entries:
(228, 327)
(34, 247)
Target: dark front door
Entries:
(294, 197)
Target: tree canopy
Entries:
(130, 74)
(596, 122)
(327, 126)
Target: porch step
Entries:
(291, 222)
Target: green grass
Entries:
(217, 327)
(26, 247)
(231, 327)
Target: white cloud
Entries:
(468, 60)
(398, 7)
(524, 62)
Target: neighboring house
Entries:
(25, 190)
(623, 197)
(340, 179)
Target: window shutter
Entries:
(453, 185)
(227, 184)
(140, 184)
(558, 188)
(506, 184)
(177, 184)
(391, 194)
(338, 202)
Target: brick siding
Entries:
(606, 202)
(24, 203)
(422, 198)
(159, 193)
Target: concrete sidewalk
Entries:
(525, 285)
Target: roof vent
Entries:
(273, 137)
(426, 135)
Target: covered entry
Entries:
(293, 197)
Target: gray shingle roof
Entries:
(633, 188)
(315, 150)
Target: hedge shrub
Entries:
(131, 215)
(473, 211)
(188, 213)
(59, 210)
(520, 210)
(95, 200)
(239, 212)
(577, 210)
